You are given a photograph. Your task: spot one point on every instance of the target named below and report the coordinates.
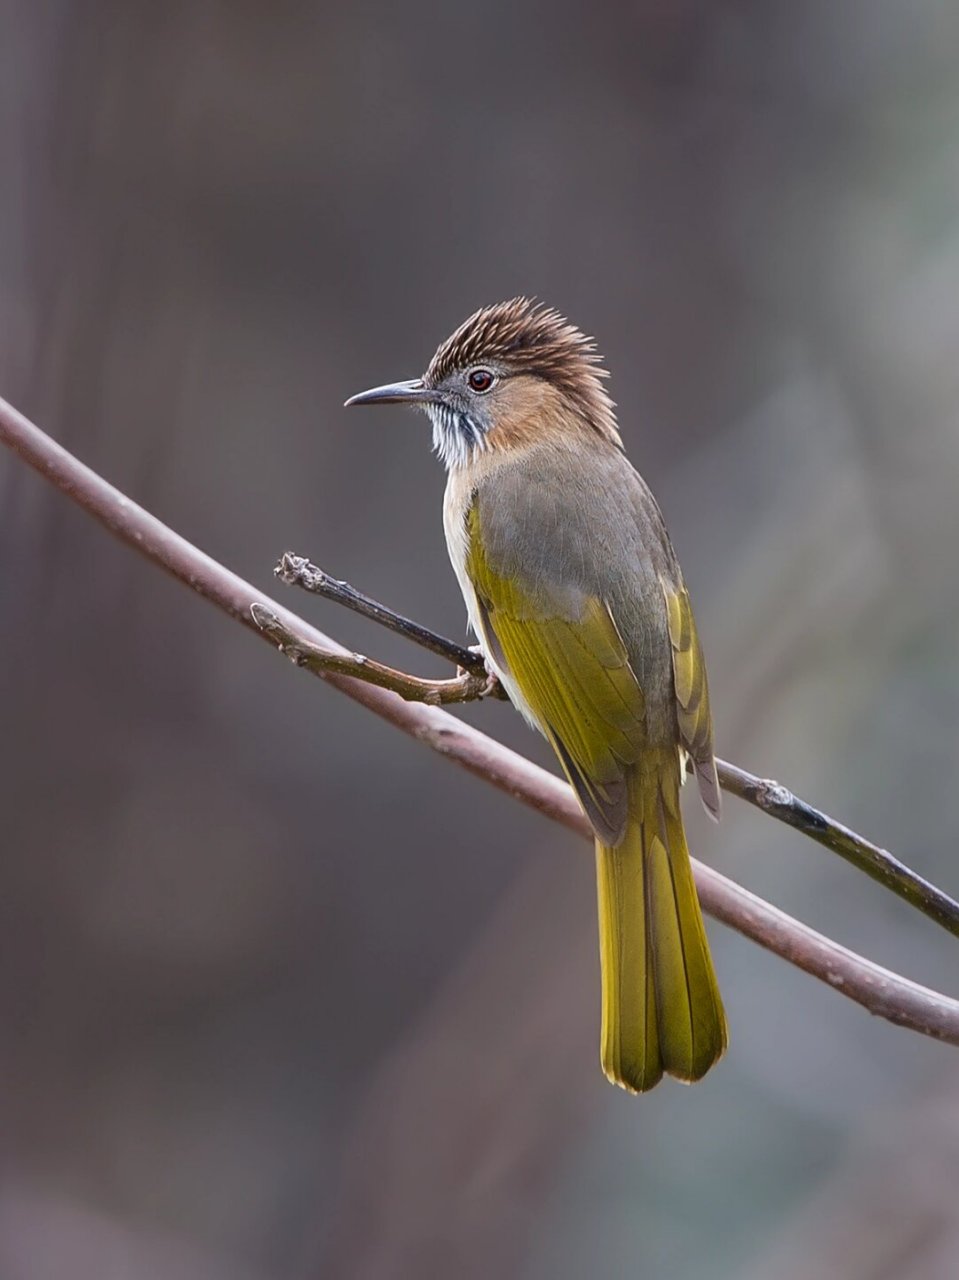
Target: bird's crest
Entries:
(528, 337)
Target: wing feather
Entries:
(569, 662)
(692, 695)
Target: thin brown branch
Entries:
(297, 571)
(465, 687)
(771, 797)
(880, 991)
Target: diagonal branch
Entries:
(882, 992)
(771, 797)
(779, 802)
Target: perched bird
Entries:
(576, 597)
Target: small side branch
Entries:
(880, 865)
(297, 571)
(465, 687)
(772, 798)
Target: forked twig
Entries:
(465, 687)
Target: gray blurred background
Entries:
(281, 994)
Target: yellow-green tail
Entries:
(662, 1011)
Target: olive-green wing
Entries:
(570, 664)
(692, 695)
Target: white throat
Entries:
(456, 436)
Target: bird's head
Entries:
(511, 375)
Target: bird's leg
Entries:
(493, 687)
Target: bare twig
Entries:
(779, 802)
(466, 687)
(297, 571)
(882, 992)
(771, 797)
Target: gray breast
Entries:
(567, 525)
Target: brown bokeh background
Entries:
(281, 994)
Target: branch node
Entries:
(775, 794)
(264, 618)
(296, 570)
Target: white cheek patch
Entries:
(456, 436)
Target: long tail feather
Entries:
(662, 1011)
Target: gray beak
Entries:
(411, 392)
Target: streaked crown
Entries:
(523, 336)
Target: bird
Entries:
(578, 603)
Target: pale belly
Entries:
(457, 544)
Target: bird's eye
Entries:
(480, 380)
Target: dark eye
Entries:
(480, 380)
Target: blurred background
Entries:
(281, 994)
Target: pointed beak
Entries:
(411, 392)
